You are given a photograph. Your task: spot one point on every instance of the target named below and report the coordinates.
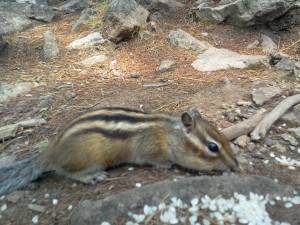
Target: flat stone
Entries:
(90, 40)
(115, 208)
(166, 65)
(264, 94)
(181, 39)
(295, 131)
(93, 60)
(37, 208)
(268, 44)
(215, 59)
(12, 90)
(15, 196)
(290, 139)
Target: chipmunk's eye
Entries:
(213, 147)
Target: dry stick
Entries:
(243, 127)
(262, 128)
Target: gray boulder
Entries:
(11, 22)
(123, 19)
(162, 6)
(86, 15)
(242, 13)
(72, 6)
(181, 39)
(35, 2)
(119, 207)
(17, 16)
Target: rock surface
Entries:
(161, 6)
(93, 60)
(123, 19)
(73, 6)
(12, 90)
(166, 65)
(90, 40)
(85, 16)
(242, 13)
(182, 39)
(116, 207)
(264, 94)
(215, 59)
(50, 49)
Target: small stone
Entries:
(242, 141)
(47, 195)
(37, 208)
(54, 201)
(116, 73)
(138, 185)
(243, 103)
(91, 61)
(166, 65)
(70, 95)
(134, 75)
(257, 155)
(295, 131)
(279, 148)
(15, 196)
(35, 219)
(225, 80)
(289, 138)
(3, 208)
(70, 207)
(268, 142)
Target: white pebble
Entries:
(70, 207)
(130, 168)
(3, 196)
(296, 200)
(291, 167)
(138, 185)
(272, 154)
(288, 205)
(35, 219)
(194, 201)
(3, 207)
(54, 201)
(266, 161)
(139, 217)
(105, 223)
(47, 195)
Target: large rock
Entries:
(123, 19)
(215, 59)
(85, 16)
(11, 22)
(12, 90)
(263, 92)
(17, 16)
(242, 13)
(116, 208)
(72, 6)
(181, 39)
(162, 6)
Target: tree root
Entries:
(262, 128)
(244, 127)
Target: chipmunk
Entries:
(106, 137)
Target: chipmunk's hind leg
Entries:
(89, 177)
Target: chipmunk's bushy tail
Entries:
(16, 175)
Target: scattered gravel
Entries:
(237, 209)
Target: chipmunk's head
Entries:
(208, 143)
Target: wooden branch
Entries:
(262, 128)
(244, 127)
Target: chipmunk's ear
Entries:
(187, 121)
(195, 114)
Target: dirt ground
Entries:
(185, 88)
